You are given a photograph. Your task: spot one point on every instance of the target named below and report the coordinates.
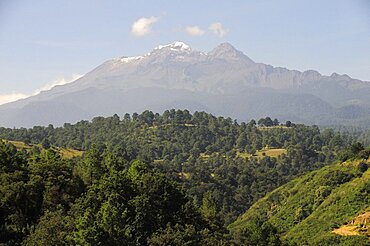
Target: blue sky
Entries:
(43, 43)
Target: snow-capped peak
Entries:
(174, 46)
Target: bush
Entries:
(362, 167)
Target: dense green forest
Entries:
(170, 179)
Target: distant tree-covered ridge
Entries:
(153, 179)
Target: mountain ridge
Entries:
(220, 73)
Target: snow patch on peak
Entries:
(130, 59)
(175, 46)
(127, 59)
(178, 45)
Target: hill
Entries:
(177, 76)
(328, 206)
(176, 178)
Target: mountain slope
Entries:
(222, 81)
(308, 209)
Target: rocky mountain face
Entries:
(223, 81)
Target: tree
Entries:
(45, 143)
(54, 228)
(257, 233)
(54, 178)
(91, 167)
(268, 121)
(179, 235)
(119, 209)
(135, 116)
(356, 148)
(127, 117)
(209, 206)
(147, 117)
(242, 141)
(252, 123)
(265, 122)
(262, 122)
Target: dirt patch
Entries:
(362, 219)
(358, 226)
(347, 230)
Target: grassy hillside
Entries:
(67, 153)
(311, 209)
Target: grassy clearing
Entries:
(158, 161)
(243, 154)
(69, 153)
(271, 152)
(64, 152)
(20, 145)
(173, 124)
(262, 153)
(204, 155)
(185, 175)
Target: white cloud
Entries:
(5, 98)
(194, 30)
(11, 97)
(60, 81)
(142, 26)
(218, 29)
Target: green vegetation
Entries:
(307, 209)
(46, 201)
(171, 179)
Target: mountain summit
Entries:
(223, 81)
(227, 51)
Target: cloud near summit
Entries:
(194, 30)
(11, 97)
(218, 29)
(215, 28)
(143, 25)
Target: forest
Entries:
(157, 179)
